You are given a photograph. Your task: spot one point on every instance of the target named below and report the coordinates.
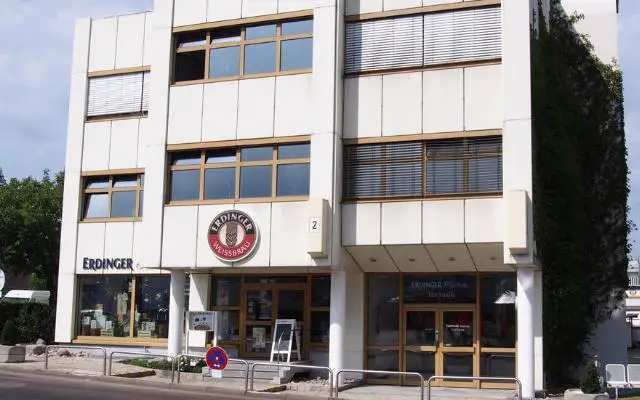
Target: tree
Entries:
(2, 180)
(30, 216)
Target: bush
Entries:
(34, 323)
(10, 335)
(8, 311)
(185, 365)
(148, 363)
(590, 382)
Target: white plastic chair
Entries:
(616, 377)
(633, 375)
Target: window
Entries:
(119, 95)
(320, 309)
(236, 52)
(117, 197)
(423, 169)
(225, 298)
(423, 40)
(261, 172)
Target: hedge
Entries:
(32, 320)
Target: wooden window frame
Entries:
(238, 164)
(242, 44)
(109, 190)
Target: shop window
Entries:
(498, 327)
(225, 299)
(320, 323)
(118, 95)
(263, 172)
(229, 326)
(383, 313)
(226, 291)
(276, 279)
(424, 289)
(321, 291)
(152, 307)
(241, 51)
(105, 306)
(423, 169)
(117, 197)
(498, 365)
(382, 360)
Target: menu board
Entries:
(285, 335)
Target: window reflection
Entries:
(498, 320)
(105, 306)
(260, 58)
(383, 297)
(296, 54)
(152, 306)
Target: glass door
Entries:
(457, 350)
(421, 341)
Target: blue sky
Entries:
(36, 39)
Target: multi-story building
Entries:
(361, 166)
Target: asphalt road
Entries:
(38, 386)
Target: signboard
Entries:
(216, 359)
(440, 289)
(232, 236)
(284, 335)
(201, 320)
(100, 264)
(2, 279)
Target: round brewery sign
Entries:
(232, 235)
(2, 279)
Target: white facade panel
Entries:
(443, 221)
(138, 240)
(82, 40)
(189, 12)
(97, 140)
(443, 101)
(298, 5)
(363, 7)
(402, 104)
(363, 107)
(124, 144)
(206, 215)
(118, 241)
(484, 220)
(185, 114)
(148, 44)
(289, 229)
(253, 8)
(256, 108)
(179, 237)
(361, 224)
(102, 54)
(437, 2)
(220, 111)
(142, 141)
(220, 10)
(90, 242)
(483, 97)
(261, 215)
(401, 4)
(130, 41)
(294, 105)
(65, 308)
(399, 223)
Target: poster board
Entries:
(285, 334)
(201, 320)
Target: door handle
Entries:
(437, 338)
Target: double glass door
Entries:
(441, 341)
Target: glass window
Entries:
(225, 62)
(498, 365)
(152, 306)
(258, 339)
(320, 323)
(255, 181)
(321, 291)
(404, 179)
(141, 203)
(190, 66)
(259, 305)
(229, 325)
(260, 31)
(291, 151)
(226, 291)
(445, 176)
(125, 181)
(297, 27)
(186, 158)
(293, 180)
(296, 54)
(97, 206)
(221, 156)
(382, 360)
(97, 183)
(256, 153)
(185, 185)
(192, 40)
(220, 183)
(291, 304)
(123, 204)
(383, 300)
(105, 306)
(226, 35)
(260, 58)
(439, 288)
(485, 174)
(498, 327)
(277, 279)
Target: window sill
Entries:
(237, 201)
(242, 78)
(116, 117)
(102, 220)
(449, 196)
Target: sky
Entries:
(36, 40)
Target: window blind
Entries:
(421, 169)
(118, 94)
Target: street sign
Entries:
(2, 279)
(216, 358)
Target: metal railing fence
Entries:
(146, 355)
(102, 349)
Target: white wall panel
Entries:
(443, 221)
(90, 242)
(443, 104)
(252, 8)
(124, 144)
(142, 137)
(436, 2)
(402, 104)
(289, 230)
(205, 256)
(363, 107)
(261, 215)
(130, 41)
(293, 108)
(82, 40)
(185, 114)
(221, 10)
(102, 53)
(118, 242)
(320, 180)
(355, 7)
(97, 139)
(483, 97)
(400, 4)
(484, 220)
(65, 308)
(361, 224)
(146, 52)
(399, 223)
(256, 108)
(220, 111)
(138, 240)
(189, 12)
(297, 5)
(179, 237)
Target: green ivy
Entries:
(580, 188)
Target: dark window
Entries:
(320, 323)
(152, 306)
(384, 307)
(190, 66)
(498, 328)
(225, 291)
(105, 306)
(321, 291)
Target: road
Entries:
(39, 386)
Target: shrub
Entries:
(8, 311)
(10, 334)
(34, 323)
(147, 363)
(185, 365)
(590, 382)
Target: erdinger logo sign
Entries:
(232, 236)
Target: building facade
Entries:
(361, 166)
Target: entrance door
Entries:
(440, 341)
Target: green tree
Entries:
(2, 180)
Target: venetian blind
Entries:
(118, 94)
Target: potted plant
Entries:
(590, 385)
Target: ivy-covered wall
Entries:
(580, 187)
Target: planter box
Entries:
(12, 354)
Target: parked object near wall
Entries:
(12, 354)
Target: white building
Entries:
(361, 166)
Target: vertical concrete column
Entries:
(176, 312)
(338, 319)
(198, 301)
(525, 310)
(537, 324)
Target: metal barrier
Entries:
(147, 355)
(230, 361)
(102, 349)
(315, 367)
(474, 378)
(396, 373)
